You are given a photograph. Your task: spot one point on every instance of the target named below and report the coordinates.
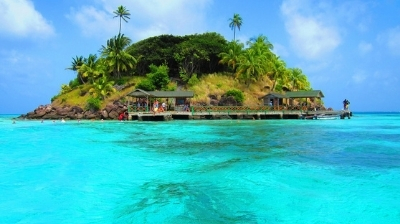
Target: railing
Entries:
(228, 109)
(243, 109)
(137, 109)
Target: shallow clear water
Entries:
(239, 171)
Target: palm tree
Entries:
(91, 68)
(294, 78)
(102, 88)
(116, 58)
(251, 66)
(123, 14)
(279, 71)
(76, 63)
(261, 42)
(236, 21)
(231, 58)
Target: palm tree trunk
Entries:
(80, 76)
(273, 86)
(120, 25)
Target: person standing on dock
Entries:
(346, 104)
(155, 107)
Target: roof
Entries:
(161, 94)
(274, 95)
(305, 94)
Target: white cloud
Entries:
(358, 77)
(18, 63)
(311, 35)
(355, 13)
(364, 47)
(148, 18)
(93, 21)
(280, 50)
(19, 18)
(393, 40)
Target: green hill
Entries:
(205, 63)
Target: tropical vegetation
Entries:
(123, 14)
(235, 22)
(205, 63)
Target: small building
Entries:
(173, 99)
(311, 94)
(273, 99)
(278, 99)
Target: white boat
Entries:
(326, 117)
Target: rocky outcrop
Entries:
(228, 101)
(110, 112)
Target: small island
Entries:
(221, 76)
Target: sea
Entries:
(201, 171)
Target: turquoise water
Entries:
(262, 171)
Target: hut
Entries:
(273, 99)
(174, 99)
(287, 99)
(311, 94)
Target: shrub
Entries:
(74, 83)
(122, 81)
(65, 88)
(159, 76)
(193, 80)
(93, 104)
(54, 98)
(237, 94)
(184, 76)
(146, 85)
(171, 87)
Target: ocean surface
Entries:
(223, 171)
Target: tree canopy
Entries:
(123, 14)
(160, 58)
(197, 53)
(235, 22)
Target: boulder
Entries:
(214, 102)
(52, 115)
(63, 111)
(109, 107)
(90, 115)
(113, 115)
(228, 101)
(77, 109)
(38, 114)
(104, 114)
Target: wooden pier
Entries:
(234, 115)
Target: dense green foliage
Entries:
(198, 53)
(185, 59)
(65, 89)
(155, 50)
(93, 103)
(74, 83)
(159, 76)
(146, 85)
(102, 87)
(237, 94)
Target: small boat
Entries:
(304, 117)
(326, 117)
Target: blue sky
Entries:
(347, 49)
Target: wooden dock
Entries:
(234, 115)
